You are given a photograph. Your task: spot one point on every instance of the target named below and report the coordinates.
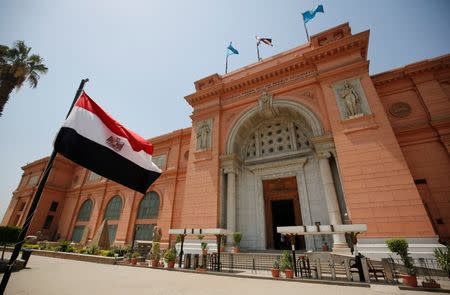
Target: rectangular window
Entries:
(112, 230)
(53, 206)
(144, 232)
(77, 234)
(48, 221)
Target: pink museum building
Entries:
(304, 137)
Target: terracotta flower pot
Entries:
(289, 273)
(409, 280)
(204, 251)
(236, 250)
(170, 264)
(154, 263)
(275, 272)
(133, 261)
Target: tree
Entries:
(16, 67)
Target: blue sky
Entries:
(142, 57)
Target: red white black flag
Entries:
(93, 139)
(267, 41)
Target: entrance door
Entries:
(282, 208)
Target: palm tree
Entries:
(16, 67)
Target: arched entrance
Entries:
(271, 174)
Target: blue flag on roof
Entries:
(310, 14)
(232, 50)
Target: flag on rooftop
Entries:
(93, 139)
(267, 41)
(232, 50)
(310, 14)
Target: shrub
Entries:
(170, 255)
(286, 261)
(237, 237)
(155, 253)
(276, 264)
(63, 246)
(200, 237)
(400, 247)
(120, 251)
(443, 258)
(107, 253)
(136, 255)
(204, 245)
(92, 250)
(29, 246)
(9, 234)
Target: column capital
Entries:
(323, 146)
(230, 163)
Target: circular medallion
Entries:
(400, 109)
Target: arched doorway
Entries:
(271, 174)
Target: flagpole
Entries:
(257, 51)
(34, 203)
(226, 64)
(306, 30)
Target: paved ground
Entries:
(47, 276)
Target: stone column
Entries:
(231, 200)
(339, 244)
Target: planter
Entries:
(154, 263)
(325, 248)
(275, 272)
(431, 285)
(204, 252)
(289, 273)
(133, 261)
(170, 264)
(236, 250)
(199, 269)
(409, 280)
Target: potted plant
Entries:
(155, 254)
(276, 269)
(400, 247)
(204, 246)
(286, 264)
(325, 246)
(443, 259)
(170, 256)
(134, 258)
(237, 237)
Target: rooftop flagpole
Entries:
(257, 48)
(306, 30)
(34, 203)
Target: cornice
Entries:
(434, 64)
(300, 66)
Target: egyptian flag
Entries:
(93, 139)
(267, 41)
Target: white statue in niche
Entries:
(203, 135)
(351, 99)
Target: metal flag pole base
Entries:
(34, 203)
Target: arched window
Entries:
(149, 206)
(85, 211)
(113, 209)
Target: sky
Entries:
(142, 57)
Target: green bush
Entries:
(400, 247)
(9, 234)
(443, 258)
(286, 261)
(107, 253)
(170, 255)
(63, 246)
(155, 253)
(29, 246)
(92, 250)
(237, 237)
(204, 245)
(120, 251)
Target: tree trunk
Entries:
(6, 87)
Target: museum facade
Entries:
(304, 137)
